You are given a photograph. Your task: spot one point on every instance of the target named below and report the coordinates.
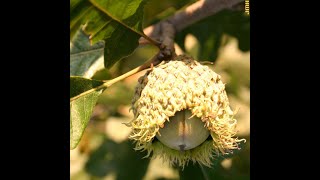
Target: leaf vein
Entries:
(86, 52)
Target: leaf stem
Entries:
(152, 41)
(151, 62)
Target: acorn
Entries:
(182, 133)
(182, 113)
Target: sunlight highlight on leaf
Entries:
(82, 107)
(85, 59)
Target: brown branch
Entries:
(167, 38)
(200, 10)
(184, 18)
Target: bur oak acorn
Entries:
(182, 113)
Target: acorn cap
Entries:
(173, 88)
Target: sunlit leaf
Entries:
(81, 106)
(85, 59)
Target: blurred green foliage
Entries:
(239, 169)
(209, 33)
(118, 158)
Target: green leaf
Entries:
(239, 169)
(207, 172)
(209, 33)
(118, 23)
(118, 158)
(85, 60)
(191, 171)
(79, 85)
(196, 171)
(155, 11)
(81, 106)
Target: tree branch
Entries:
(184, 18)
(167, 38)
(165, 30)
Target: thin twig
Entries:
(151, 62)
(206, 63)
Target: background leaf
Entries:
(85, 60)
(118, 23)
(209, 33)
(155, 11)
(81, 108)
(237, 171)
(118, 158)
(191, 172)
(79, 85)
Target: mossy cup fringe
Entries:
(202, 154)
(176, 85)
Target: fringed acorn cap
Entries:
(183, 86)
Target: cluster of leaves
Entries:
(119, 25)
(102, 32)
